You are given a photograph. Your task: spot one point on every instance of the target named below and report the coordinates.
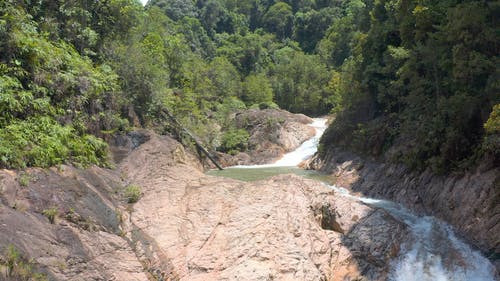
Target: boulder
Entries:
(196, 227)
(273, 133)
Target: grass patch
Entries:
(24, 179)
(132, 193)
(18, 267)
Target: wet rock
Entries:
(469, 202)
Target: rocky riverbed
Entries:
(468, 201)
(187, 225)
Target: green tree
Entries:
(257, 89)
(310, 27)
(249, 53)
(176, 9)
(196, 37)
(423, 73)
(300, 82)
(279, 20)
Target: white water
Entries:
(307, 149)
(434, 254)
(303, 152)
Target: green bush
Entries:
(256, 89)
(492, 125)
(24, 179)
(234, 140)
(491, 142)
(267, 105)
(43, 142)
(51, 214)
(132, 193)
(18, 268)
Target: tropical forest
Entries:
(356, 140)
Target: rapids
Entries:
(434, 254)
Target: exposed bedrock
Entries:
(187, 225)
(470, 202)
(273, 133)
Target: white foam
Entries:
(435, 241)
(303, 152)
(434, 253)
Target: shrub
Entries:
(24, 179)
(491, 141)
(256, 89)
(18, 268)
(132, 193)
(43, 142)
(266, 105)
(234, 140)
(493, 124)
(51, 214)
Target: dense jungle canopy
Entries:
(413, 81)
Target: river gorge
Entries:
(249, 222)
(434, 252)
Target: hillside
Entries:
(88, 88)
(419, 84)
(413, 81)
(74, 74)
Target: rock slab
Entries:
(190, 226)
(283, 228)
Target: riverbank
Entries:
(469, 202)
(158, 216)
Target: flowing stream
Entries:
(434, 254)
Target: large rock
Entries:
(189, 226)
(84, 243)
(469, 202)
(272, 132)
(196, 227)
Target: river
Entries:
(434, 254)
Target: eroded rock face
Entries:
(189, 226)
(273, 133)
(197, 227)
(469, 202)
(84, 243)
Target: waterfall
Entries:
(303, 152)
(306, 150)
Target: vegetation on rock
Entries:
(17, 267)
(132, 193)
(235, 140)
(51, 214)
